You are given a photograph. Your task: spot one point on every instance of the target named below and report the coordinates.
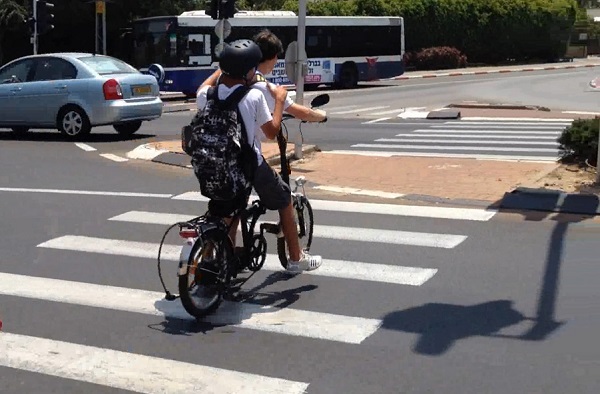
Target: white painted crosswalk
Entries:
(113, 368)
(523, 140)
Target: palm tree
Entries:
(12, 16)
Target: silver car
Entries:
(73, 92)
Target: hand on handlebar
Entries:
(323, 114)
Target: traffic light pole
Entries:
(100, 11)
(301, 60)
(34, 39)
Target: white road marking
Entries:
(514, 123)
(286, 321)
(112, 157)
(508, 158)
(382, 209)
(550, 120)
(356, 270)
(83, 192)
(498, 127)
(484, 136)
(459, 141)
(376, 120)
(501, 132)
(85, 147)
(358, 234)
(130, 371)
(357, 110)
(351, 190)
(472, 148)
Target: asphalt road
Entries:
(485, 301)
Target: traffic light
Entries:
(44, 17)
(221, 9)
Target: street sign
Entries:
(291, 59)
(224, 26)
(157, 71)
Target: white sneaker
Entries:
(306, 263)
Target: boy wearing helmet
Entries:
(238, 63)
(270, 46)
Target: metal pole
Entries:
(597, 119)
(301, 60)
(96, 35)
(35, 30)
(104, 27)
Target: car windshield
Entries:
(106, 65)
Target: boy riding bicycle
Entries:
(238, 63)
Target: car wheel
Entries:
(73, 122)
(128, 128)
(20, 130)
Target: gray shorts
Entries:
(273, 192)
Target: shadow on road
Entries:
(441, 325)
(230, 314)
(55, 136)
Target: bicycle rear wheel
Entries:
(303, 215)
(207, 275)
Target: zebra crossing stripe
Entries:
(466, 141)
(509, 158)
(130, 371)
(479, 148)
(285, 321)
(380, 209)
(432, 240)
(356, 270)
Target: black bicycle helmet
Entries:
(239, 57)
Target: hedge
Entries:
(486, 31)
(579, 142)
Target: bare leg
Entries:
(290, 232)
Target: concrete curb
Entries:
(149, 152)
(497, 106)
(181, 107)
(495, 71)
(548, 200)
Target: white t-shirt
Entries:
(253, 108)
(262, 86)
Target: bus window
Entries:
(198, 50)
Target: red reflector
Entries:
(188, 233)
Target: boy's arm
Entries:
(304, 113)
(272, 128)
(210, 81)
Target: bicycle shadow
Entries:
(232, 312)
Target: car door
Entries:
(48, 90)
(13, 77)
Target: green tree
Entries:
(12, 16)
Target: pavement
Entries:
(502, 184)
(499, 184)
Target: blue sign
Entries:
(157, 71)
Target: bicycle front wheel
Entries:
(303, 216)
(207, 275)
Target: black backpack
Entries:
(223, 160)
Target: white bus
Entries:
(341, 51)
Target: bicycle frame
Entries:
(195, 229)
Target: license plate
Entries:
(142, 90)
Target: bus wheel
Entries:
(348, 76)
